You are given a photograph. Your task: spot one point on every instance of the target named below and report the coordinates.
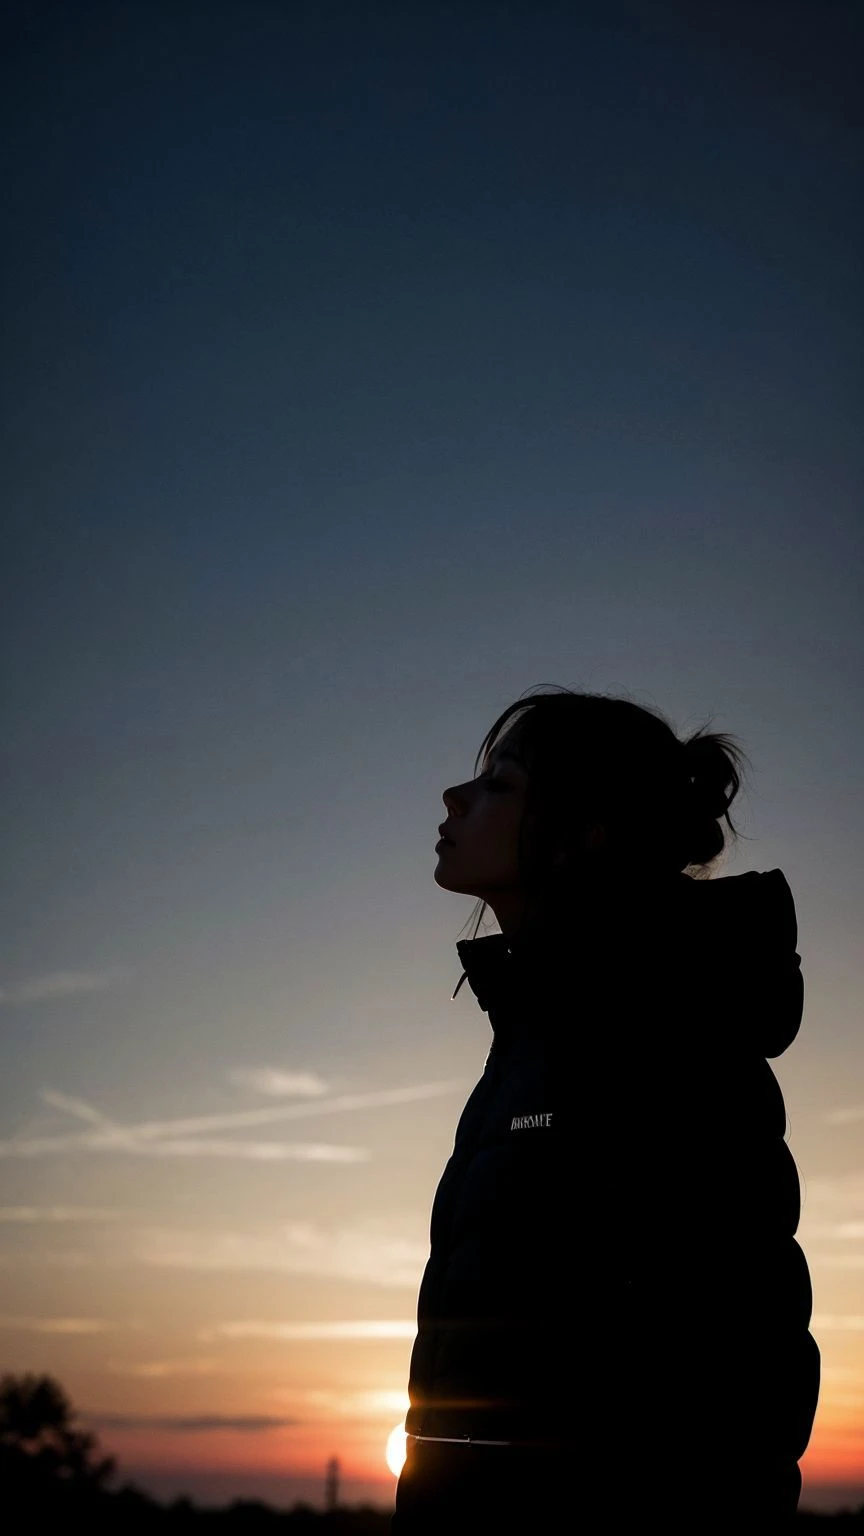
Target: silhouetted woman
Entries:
(613, 1320)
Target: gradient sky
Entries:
(364, 366)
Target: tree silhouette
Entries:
(41, 1451)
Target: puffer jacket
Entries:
(613, 1320)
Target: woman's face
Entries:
(481, 857)
(483, 820)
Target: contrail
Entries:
(109, 1134)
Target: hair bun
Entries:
(713, 783)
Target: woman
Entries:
(613, 1320)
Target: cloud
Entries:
(845, 1116)
(105, 1135)
(832, 1211)
(833, 1198)
(362, 1405)
(374, 1328)
(296, 1249)
(79, 1109)
(254, 1151)
(61, 984)
(71, 1325)
(158, 1370)
(49, 1213)
(276, 1084)
(191, 1424)
(118, 1138)
(828, 1322)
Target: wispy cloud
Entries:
(190, 1424)
(832, 1211)
(50, 1213)
(112, 1137)
(362, 1404)
(840, 1197)
(253, 1151)
(370, 1328)
(847, 1115)
(830, 1322)
(61, 984)
(159, 1370)
(57, 1325)
(295, 1249)
(276, 1084)
(106, 1135)
(78, 1108)
(838, 1372)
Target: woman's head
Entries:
(579, 790)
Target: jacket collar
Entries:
(506, 973)
(729, 943)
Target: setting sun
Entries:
(395, 1453)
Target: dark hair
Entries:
(593, 757)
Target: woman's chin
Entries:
(442, 877)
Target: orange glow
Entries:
(836, 1451)
(395, 1453)
(835, 1455)
(302, 1451)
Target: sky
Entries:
(364, 366)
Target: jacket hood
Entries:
(727, 946)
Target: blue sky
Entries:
(364, 367)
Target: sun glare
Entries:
(395, 1452)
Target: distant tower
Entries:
(331, 1484)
